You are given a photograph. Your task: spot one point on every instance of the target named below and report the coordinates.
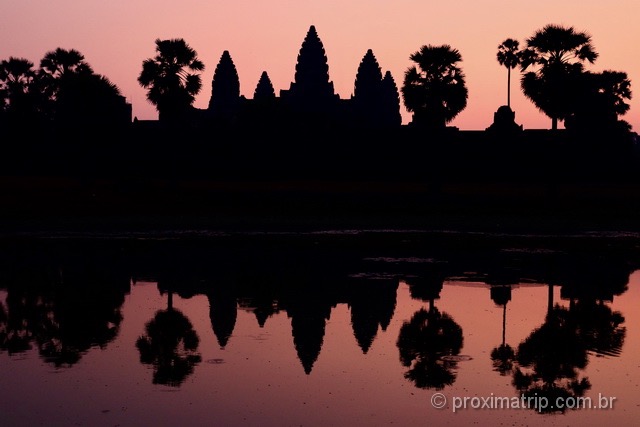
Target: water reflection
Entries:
(424, 343)
(64, 299)
(63, 307)
(502, 356)
(170, 345)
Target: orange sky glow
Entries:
(116, 36)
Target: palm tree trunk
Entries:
(504, 323)
(509, 87)
(554, 123)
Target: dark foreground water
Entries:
(320, 329)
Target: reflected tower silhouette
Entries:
(309, 306)
(223, 311)
(372, 303)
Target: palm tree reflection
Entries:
(428, 341)
(503, 355)
(550, 360)
(170, 345)
(424, 342)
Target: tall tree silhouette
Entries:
(502, 356)
(558, 55)
(509, 56)
(90, 100)
(172, 78)
(77, 96)
(550, 361)
(59, 63)
(18, 94)
(424, 342)
(434, 90)
(57, 67)
(602, 98)
(170, 345)
(225, 89)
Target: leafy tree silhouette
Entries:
(90, 100)
(600, 101)
(170, 345)
(434, 90)
(423, 341)
(172, 78)
(57, 64)
(558, 55)
(70, 93)
(503, 356)
(550, 359)
(19, 98)
(509, 56)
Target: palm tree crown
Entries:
(435, 90)
(559, 54)
(509, 56)
(555, 44)
(171, 76)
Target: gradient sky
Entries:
(116, 36)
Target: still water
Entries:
(320, 329)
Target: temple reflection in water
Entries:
(409, 301)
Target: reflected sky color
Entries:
(116, 36)
(257, 378)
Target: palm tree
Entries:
(509, 56)
(435, 91)
(17, 92)
(559, 53)
(428, 344)
(57, 65)
(75, 94)
(602, 99)
(171, 77)
(59, 62)
(170, 345)
(90, 100)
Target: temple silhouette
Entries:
(217, 162)
(311, 99)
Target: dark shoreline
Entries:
(59, 205)
(162, 180)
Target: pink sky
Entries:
(116, 36)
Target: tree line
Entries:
(65, 91)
